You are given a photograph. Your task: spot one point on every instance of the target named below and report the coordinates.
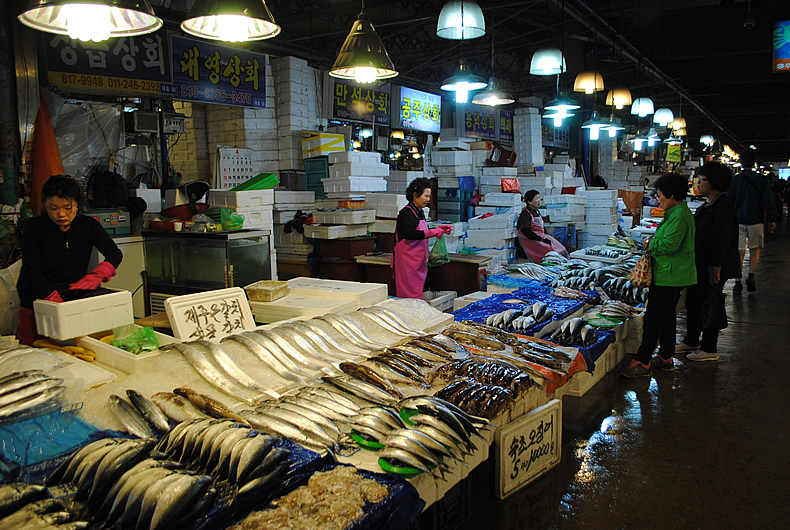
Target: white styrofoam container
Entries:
(501, 199)
(354, 184)
(601, 219)
(451, 158)
(363, 294)
(383, 226)
(241, 199)
(354, 157)
(335, 231)
(121, 360)
(499, 210)
(66, 320)
(494, 221)
(152, 198)
(453, 171)
(608, 208)
(358, 170)
(453, 243)
(600, 194)
(499, 172)
(283, 216)
(293, 197)
(475, 242)
(463, 301)
(344, 217)
(297, 305)
(564, 199)
(395, 200)
(404, 176)
(453, 144)
(565, 209)
(291, 238)
(493, 233)
(599, 229)
(385, 212)
(441, 300)
(505, 254)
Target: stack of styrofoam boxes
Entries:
(455, 239)
(398, 181)
(493, 236)
(255, 205)
(636, 177)
(352, 174)
(491, 178)
(190, 155)
(530, 179)
(296, 108)
(607, 153)
(565, 209)
(387, 205)
(292, 246)
(453, 163)
(527, 136)
(555, 174)
(600, 217)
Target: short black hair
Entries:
(719, 175)
(417, 186)
(747, 159)
(530, 195)
(62, 186)
(673, 186)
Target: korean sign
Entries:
(505, 129)
(211, 73)
(128, 64)
(555, 136)
(211, 315)
(420, 110)
(529, 446)
(356, 103)
(781, 61)
(477, 121)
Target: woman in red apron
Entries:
(534, 240)
(410, 256)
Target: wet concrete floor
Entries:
(707, 446)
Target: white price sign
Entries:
(529, 446)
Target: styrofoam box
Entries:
(354, 157)
(335, 231)
(451, 158)
(295, 305)
(451, 171)
(293, 250)
(152, 198)
(459, 229)
(241, 199)
(283, 216)
(581, 382)
(291, 238)
(501, 199)
(487, 180)
(293, 197)
(364, 294)
(454, 243)
(66, 320)
(599, 229)
(358, 170)
(601, 219)
(395, 200)
(387, 212)
(122, 360)
(565, 198)
(453, 144)
(505, 254)
(354, 184)
(476, 242)
(463, 301)
(493, 233)
(500, 172)
(568, 209)
(485, 189)
(441, 300)
(344, 217)
(383, 226)
(405, 176)
(180, 312)
(499, 210)
(494, 221)
(601, 209)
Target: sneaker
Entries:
(636, 369)
(750, 286)
(737, 288)
(682, 347)
(666, 365)
(700, 355)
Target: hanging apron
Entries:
(410, 263)
(537, 249)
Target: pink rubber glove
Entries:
(102, 273)
(434, 232)
(54, 296)
(446, 228)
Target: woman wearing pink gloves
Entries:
(410, 257)
(56, 250)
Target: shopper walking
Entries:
(531, 233)
(751, 195)
(410, 256)
(672, 258)
(716, 259)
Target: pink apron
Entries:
(410, 264)
(537, 249)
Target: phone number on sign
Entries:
(216, 94)
(112, 83)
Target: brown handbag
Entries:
(642, 275)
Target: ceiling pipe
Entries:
(589, 18)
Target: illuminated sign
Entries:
(781, 59)
(555, 136)
(357, 103)
(420, 110)
(124, 64)
(478, 121)
(505, 130)
(211, 73)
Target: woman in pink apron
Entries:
(534, 240)
(410, 256)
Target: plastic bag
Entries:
(713, 314)
(438, 255)
(231, 220)
(140, 341)
(511, 185)
(642, 275)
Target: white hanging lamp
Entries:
(461, 20)
(663, 117)
(547, 61)
(642, 107)
(493, 96)
(231, 21)
(707, 139)
(613, 126)
(363, 57)
(462, 83)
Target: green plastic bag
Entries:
(438, 255)
(231, 220)
(141, 340)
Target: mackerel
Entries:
(211, 372)
(130, 418)
(31, 401)
(273, 425)
(17, 375)
(255, 451)
(235, 430)
(177, 408)
(152, 413)
(19, 383)
(362, 390)
(407, 458)
(177, 499)
(301, 422)
(208, 404)
(86, 471)
(366, 374)
(263, 481)
(226, 449)
(65, 471)
(316, 417)
(116, 463)
(207, 440)
(413, 446)
(320, 405)
(130, 496)
(150, 500)
(14, 496)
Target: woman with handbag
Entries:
(672, 260)
(717, 259)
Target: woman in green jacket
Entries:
(672, 258)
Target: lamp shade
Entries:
(236, 21)
(493, 96)
(680, 132)
(642, 107)
(462, 83)
(707, 139)
(562, 104)
(91, 20)
(594, 124)
(588, 82)
(619, 97)
(678, 123)
(663, 117)
(613, 125)
(398, 135)
(673, 140)
(547, 61)
(363, 57)
(461, 20)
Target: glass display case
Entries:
(189, 262)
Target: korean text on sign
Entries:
(352, 102)
(209, 319)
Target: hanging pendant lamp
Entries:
(663, 117)
(363, 57)
(461, 20)
(493, 96)
(547, 61)
(707, 139)
(678, 123)
(619, 97)
(642, 107)
(462, 83)
(594, 124)
(673, 140)
(639, 141)
(681, 132)
(613, 126)
(588, 82)
(237, 21)
(91, 20)
(560, 109)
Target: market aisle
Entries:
(705, 447)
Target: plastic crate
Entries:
(121, 360)
(266, 290)
(241, 199)
(67, 320)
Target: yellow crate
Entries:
(322, 144)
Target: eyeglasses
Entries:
(703, 179)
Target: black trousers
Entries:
(694, 298)
(660, 324)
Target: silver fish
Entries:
(300, 342)
(329, 392)
(234, 431)
(176, 499)
(291, 351)
(384, 323)
(115, 463)
(229, 366)
(254, 453)
(429, 443)
(357, 338)
(326, 331)
(65, 471)
(302, 422)
(209, 369)
(149, 410)
(130, 418)
(317, 341)
(207, 441)
(31, 401)
(274, 349)
(265, 356)
(109, 500)
(226, 450)
(130, 496)
(273, 425)
(414, 447)
(394, 318)
(176, 407)
(264, 480)
(150, 499)
(362, 389)
(407, 458)
(16, 375)
(323, 406)
(18, 381)
(89, 464)
(316, 417)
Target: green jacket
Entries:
(672, 249)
